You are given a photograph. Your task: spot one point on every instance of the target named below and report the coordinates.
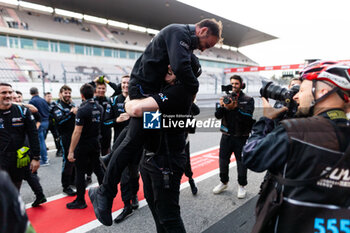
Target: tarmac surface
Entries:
(204, 212)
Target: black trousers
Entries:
(129, 184)
(67, 175)
(8, 163)
(87, 159)
(105, 141)
(124, 153)
(53, 129)
(33, 182)
(188, 168)
(164, 203)
(229, 144)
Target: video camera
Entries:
(276, 92)
(230, 95)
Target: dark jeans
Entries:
(67, 177)
(164, 203)
(87, 158)
(124, 153)
(229, 144)
(41, 133)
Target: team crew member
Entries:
(64, 114)
(188, 169)
(129, 183)
(173, 45)
(164, 152)
(120, 117)
(236, 124)
(308, 187)
(100, 97)
(52, 124)
(84, 149)
(32, 177)
(15, 123)
(44, 111)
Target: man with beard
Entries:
(16, 122)
(64, 114)
(308, 188)
(236, 124)
(52, 124)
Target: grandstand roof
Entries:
(158, 13)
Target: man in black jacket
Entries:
(15, 123)
(235, 127)
(173, 45)
(64, 114)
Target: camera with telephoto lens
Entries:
(230, 95)
(276, 92)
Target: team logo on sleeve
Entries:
(151, 120)
(184, 44)
(163, 97)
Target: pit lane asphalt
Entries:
(198, 212)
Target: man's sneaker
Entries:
(242, 192)
(105, 160)
(135, 202)
(39, 200)
(69, 191)
(44, 164)
(194, 189)
(102, 206)
(219, 188)
(127, 211)
(76, 205)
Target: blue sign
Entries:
(151, 120)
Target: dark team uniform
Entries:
(65, 121)
(235, 127)
(129, 184)
(15, 124)
(172, 45)
(53, 129)
(106, 131)
(87, 152)
(164, 150)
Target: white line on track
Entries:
(94, 224)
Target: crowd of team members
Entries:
(84, 134)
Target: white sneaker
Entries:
(242, 192)
(219, 188)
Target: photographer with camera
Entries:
(307, 189)
(236, 111)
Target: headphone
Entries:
(194, 39)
